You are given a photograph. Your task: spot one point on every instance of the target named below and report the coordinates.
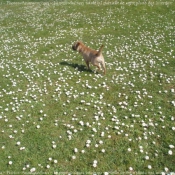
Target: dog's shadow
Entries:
(81, 67)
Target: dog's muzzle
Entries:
(74, 47)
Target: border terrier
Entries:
(90, 56)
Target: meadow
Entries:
(57, 117)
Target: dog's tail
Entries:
(100, 50)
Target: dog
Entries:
(90, 56)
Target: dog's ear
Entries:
(78, 43)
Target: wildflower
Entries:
(171, 146)
(18, 143)
(109, 136)
(75, 150)
(166, 169)
(87, 145)
(88, 141)
(15, 131)
(10, 162)
(103, 150)
(172, 90)
(10, 136)
(32, 170)
(170, 152)
(173, 103)
(149, 167)
(102, 134)
(100, 142)
(95, 163)
(83, 151)
(22, 148)
(129, 149)
(106, 173)
(94, 129)
(147, 157)
(130, 168)
(54, 146)
(81, 123)
(87, 124)
(73, 157)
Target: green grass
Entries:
(123, 120)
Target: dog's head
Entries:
(75, 45)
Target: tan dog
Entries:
(90, 55)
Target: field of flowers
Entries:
(57, 117)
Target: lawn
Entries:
(57, 117)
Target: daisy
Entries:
(94, 165)
(147, 157)
(129, 149)
(73, 157)
(18, 143)
(95, 161)
(32, 170)
(10, 162)
(149, 167)
(82, 151)
(54, 146)
(103, 151)
(170, 152)
(75, 150)
(55, 161)
(171, 146)
(48, 166)
(130, 168)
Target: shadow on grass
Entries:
(76, 66)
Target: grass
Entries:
(56, 116)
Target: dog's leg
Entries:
(97, 65)
(87, 63)
(104, 68)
